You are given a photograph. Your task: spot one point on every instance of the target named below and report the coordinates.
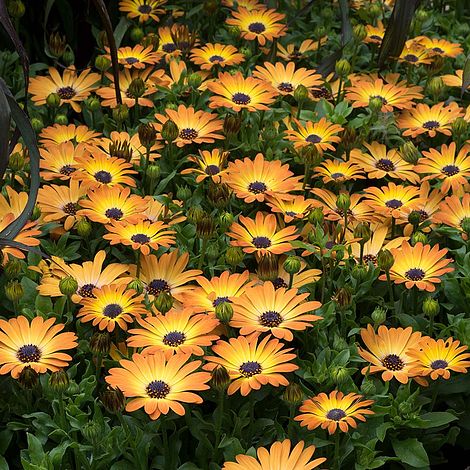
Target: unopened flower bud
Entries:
(61, 119)
(14, 291)
(84, 227)
(375, 105)
(53, 100)
(292, 265)
(13, 268)
(379, 315)
(219, 195)
(362, 231)
(430, 307)
(224, 311)
(418, 237)
(319, 31)
(68, 285)
(422, 15)
(268, 269)
(37, 123)
(300, 93)
(16, 161)
(120, 113)
(102, 63)
(385, 260)
(100, 343)
(163, 302)
(232, 125)
(153, 173)
(210, 6)
(343, 202)
(234, 255)
(293, 394)
(459, 127)
(343, 297)
(57, 44)
(137, 34)
(170, 131)
(68, 57)
(359, 32)
(374, 10)
(195, 214)
(16, 8)
(343, 67)
(316, 216)
(339, 343)
(28, 378)
(339, 374)
(414, 218)
(409, 153)
(147, 135)
(234, 31)
(113, 400)
(194, 80)
(151, 39)
(368, 387)
(225, 221)
(136, 88)
(183, 193)
(212, 252)
(59, 381)
(435, 86)
(136, 285)
(359, 272)
(205, 227)
(92, 432)
(92, 103)
(219, 378)
(246, 51)
(36, 213)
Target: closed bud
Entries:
(293, 394)
(205, 227)
(53, 100)
(102, 63)
(61, 119)
(151, 39)
(292, 265)
(349, 137)
(422, 15)
(68, 285)
(435, 86)
(57, 44)
(163, 302)
(100, 343)
(194, 214)
(136, 88)
(414, 218)
(385, 260)
(311, 156)
(219, 378)
(219, 195)
(234, 31)
(153, 173)
(359, 272)
(327, 14)
(13, 268)
(375, 105)
(343, 67)
(183, 193)
(234, 256)
(137, 34)
(194, 80)
(120, 149)
(92, 103)
(92, 432)
(36, 213)
(379, 315)
(316, 216)
(459, 127)
(172, 106)
(368, 387)
(362, 231)
(113, 400)
(120, 113)
(16, 161)
(339, 343)
(319, 31)
(339, 374)
(147, 135)
(246, 51)
(212, 252)
(430, 307)
(343, 202)
(28, 378)
(137, 285)
(465, 224)
(374, 10)
(300, 93)
(37, 123)
(268, 269)
(232, 125)
(409, 153)
(225, 220)
(59, 381)
(16, 8)
(14, 291)
(68, 57)
(359, 32)
(84, 227)
(343, 297)
(436, 65)
(170, 131)
(419, 237)
(224, 311)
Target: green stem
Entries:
(99, 358)
(434, 395)
(394, 222)
(203, 252)
(361, 252)
(291, 280)
(336, 459)
(218, 423)
(390, 288)
(146, 164)
(299, 109)
(137, 262)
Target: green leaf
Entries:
(411, 452)
(35, 450)
(4, 133)
(438, 418)
(3, 463)
(465, 76)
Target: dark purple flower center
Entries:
(257, 27)
(131, 60)
(103, 176)
(385, 164)
(157, 389)
(336, 414)
(394, 204)
(450, 170)
(216, 58)
(393, 362)
(66, 92)
(411, 58)
(112, 310)
(375, 37)
(157, 286)
(257, 187)
(439, 364)
(241, 99)
(337, 175)
(67, 170)
(87, 291)
(250, 368)
(174, 339)
(313, 139)
(431, 124)
(29, 353)
(415, 274)
(169, 47)
(145, 9)
(212, 170)
(140, 238)
(220, 300)
(286, 87)
(188, 134)
(70, 208)
(114, 213)
(270, 319)
(261, 242)
(279, 282)
(438, 50)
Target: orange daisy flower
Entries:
(136, 57)
(292, 52)
(211, 55)
(336, 171)
(375, 34)
(143, 10)
(454, 211)
(415, 54)
(59, 161)
(212, 164)
(292, 209)
(59, 134)
(321, 134)
(436, 46)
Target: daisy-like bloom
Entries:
(194, 127)
(261, 236)
(99, 170)
(285, 78)
(454, 80)
(164, 209)
(254, 180)
(237, 93)
(167, 274)
(14, 204)
(59, 134)
(437, 358)
(388, 351)
(334, 411)
(212, 164)
(379, 163)
(358, 210)
(292, 209)
(88, 275)
(37, 345)
(261, 25)
(279, 456)
(178, 331)
(158, 384)
(142, 235)
(393, 96)
(423, 119)
(453, 170)
(292, 52)
(454, 211)
(150, 78)
(415, 54)
(375, 34)
(59, 161)
(336, 171)
(419, 265)
(277, 311)
(136, 57)
(166, 42)
(25, 237)
(71, 88)
(251, 365)
(107, 204)
(393, 199)
(436, 46)
(211, 55)
(143, 10)
(112, 305)
(60, 203)
(219, 289)
(321, 134)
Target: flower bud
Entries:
(53, 100)
(219, 378)
(422, 15)
(435, 86)
(151, 39)
(147, 135)
(343, 67)
(194, 80)
(459, 127)
(136, 285)
(419, 237)
(100, 343)
(16, 161)
(113, 400)
(163, 302)
(170, 131)
(232, 125)
(224, 311)
(343, 297)
(311, 156)
(268, 269)
(234, 31)
(68, 57)
(414, 218)
(319, 31)
(339, 374)
(343, 202)
(210, 6)
(92, 103)
(385, 260)
(292, 265)
(430, 307)
(173, 106)
(84, 227)
(212, 252)
(59, 381)
(195, 214)
(293, 394)
(465, 224)
(225, 220)
(57, 44)
(28, 378)
(136, 88)
(362, 231)
(14, 291)
(219, 195)
(68, 285)
(92, 432)
(205, 227)
(316, 216)
(327, 14)
(246, 51)
(359, 272)
(13, 268)
(37, 123)
(61, 119)
(153, 173)
(379, 315)
(300, 93)
(102, 63)
(359, 32)
(120, 113)
(16, 8)
(36, 213)
(183, 193)
(120, 149)
(375, 105)
(234, 255)
(409, 153)
(339, 343)
(137, 34)
(374, 10)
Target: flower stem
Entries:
(218, 422)
(390, 287)
(203, 252)
(336, 459)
